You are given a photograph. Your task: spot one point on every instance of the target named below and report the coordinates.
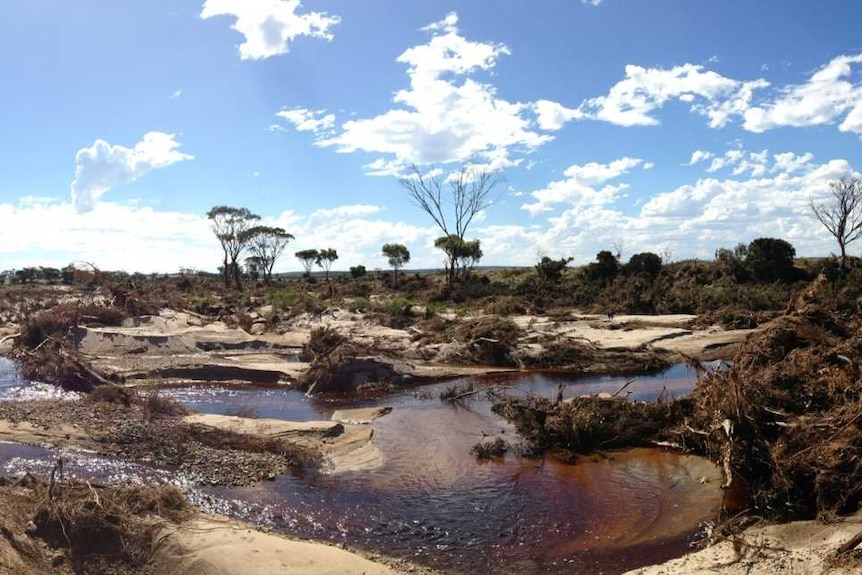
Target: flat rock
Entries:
(265, 427)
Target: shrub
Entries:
(605, 267)
(770, 259)
(552, 270)
(646, 263)
(358, 272)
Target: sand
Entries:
(211, 545)
(800, 548)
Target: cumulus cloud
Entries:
(633, 100)
(269, 26)
(826, 96)
(553, 115)
(582, 186)
(445, 115)
(112, 235)
(584, 212)
(305, 120)
(103, 166)
(698, 156)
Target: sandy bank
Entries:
(209, 545)
(345, 446)
(177, 347)
(797, 547)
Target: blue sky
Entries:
(677, 127)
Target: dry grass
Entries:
(102, 529)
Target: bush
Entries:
(358, 272)
(283, 298)
(552, 270)
(604, 268)
(646, 263)
(770, 259)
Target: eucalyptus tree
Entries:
(452, 201)
(307, 258)
(461, 255)
(230, 226)
(325, 258)
(398, 256)
(267, 244)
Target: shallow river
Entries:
(433, 502)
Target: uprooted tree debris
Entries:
(784, 421)
(56, 526)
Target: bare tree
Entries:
(230, 226)
(841, 215)
(452, 201)
(267, 244)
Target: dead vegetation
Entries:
(46, 348)
(586, 424)
(55, 526)
(785, 421)
(490, 448)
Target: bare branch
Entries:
(841, 216)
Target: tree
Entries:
(461, 255)
(358, 271)
(325, 259)
(267, 244)
(307, 258)
(398, 255)
(770, 259)
(731, 262)
(646, 263)
(469, 193)
(253, 267)
(230, 226)
(841, 215)
(551, 271)
(605, 267)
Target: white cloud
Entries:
(698, 156)
(304, 120)
(821, 100)
(553, 115)
(176, 94)
(103, 166)
(269, 26)
(586, 212)
(581, 186)
(445, 115)
(633, 100)
(591, 2)
(789, 162)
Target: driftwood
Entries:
(620, 390)
(850, 545)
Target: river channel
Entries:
(431, 501)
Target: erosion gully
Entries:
(431, 501)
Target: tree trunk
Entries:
(236, 277)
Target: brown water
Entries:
(434, 503)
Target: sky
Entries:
(671, 126)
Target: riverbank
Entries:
(158, 533)
(796, 547)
